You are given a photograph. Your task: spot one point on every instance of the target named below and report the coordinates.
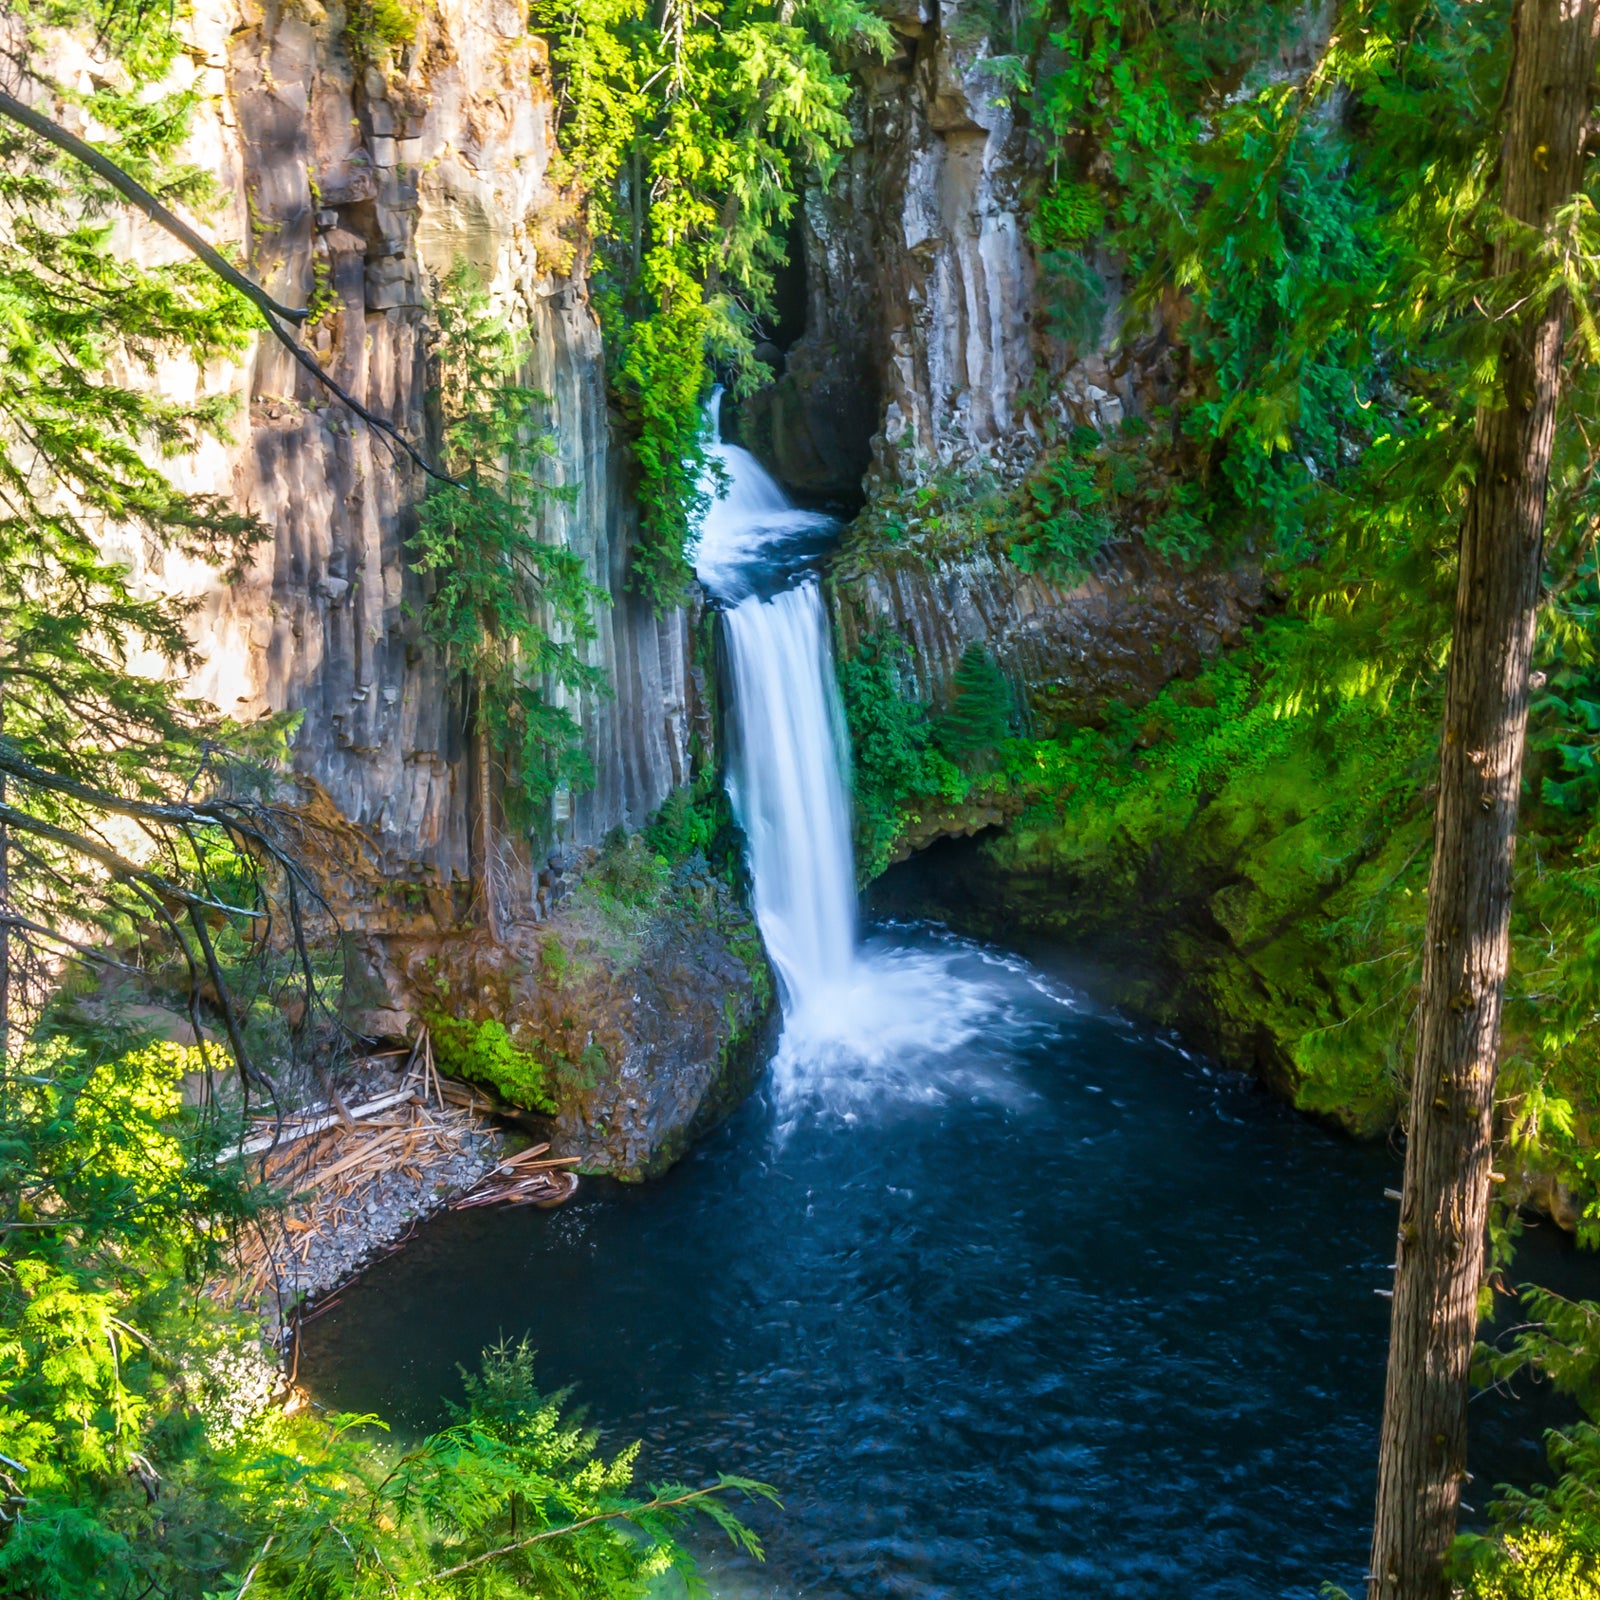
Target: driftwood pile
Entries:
(337, 1163)
(523, 1179)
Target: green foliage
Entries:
(979, 716)
(1073, 297)
(631, 872)
(509, 608)
(1069, 525)
(484, 1053)
(1067, 215)
(92, 656)
(687, 133)
(1535, 1565)
(1236, 211)
(1545, 1544)
(374, 29)
(144, 1450)
(687, 823)
(1281, 852)
(893, 754)
(109, 1194)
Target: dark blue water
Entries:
(1058, 1311)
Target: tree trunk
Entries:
(484, 829)
(1439, 1262)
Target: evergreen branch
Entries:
(117, 864)
(269, 308)
(20, 924)
(132, 190)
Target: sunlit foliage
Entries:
(689, 129)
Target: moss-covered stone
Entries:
(633, 1019)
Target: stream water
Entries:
(1007, 1296)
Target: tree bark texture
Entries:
(1440, 1256)
(485, 841)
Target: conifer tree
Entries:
(1443, 1212)
(979, 714)
(509, 609)
(93, 719)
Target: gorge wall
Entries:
(931, 359)
(373, 183)
(362, 186)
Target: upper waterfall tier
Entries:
(754, 539)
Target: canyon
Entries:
(925, 351)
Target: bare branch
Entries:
(269, 308)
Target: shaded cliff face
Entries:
(354, 188)
(372, 183)
(931, 353)
(919, 280)
(928, 343)
(1122, 632)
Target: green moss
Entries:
(375, 28)
(484, 1053)
(744, 941)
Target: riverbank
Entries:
(356, 1171)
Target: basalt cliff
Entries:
(364, 187)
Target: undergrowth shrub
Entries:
(1068, 524)
(1545, 1543)
(893, 753)
(143, 1446)
(1067, 214)
(485, 1053)
(686, 824)
(375, 28)
(1073, 297)
(629, 874)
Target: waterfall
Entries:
(854, 1020)
(787, 766)
(787, 782)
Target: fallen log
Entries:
(288, 1135)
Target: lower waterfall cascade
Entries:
(854, 1017)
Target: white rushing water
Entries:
(858, 1020)
(787, 784)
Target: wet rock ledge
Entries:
(624, 1024)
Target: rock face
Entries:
(355, 186)
(1124, 631)
(650, 1021)
(364, 186)
(931, 353)
(929, 344)
(920, 283)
